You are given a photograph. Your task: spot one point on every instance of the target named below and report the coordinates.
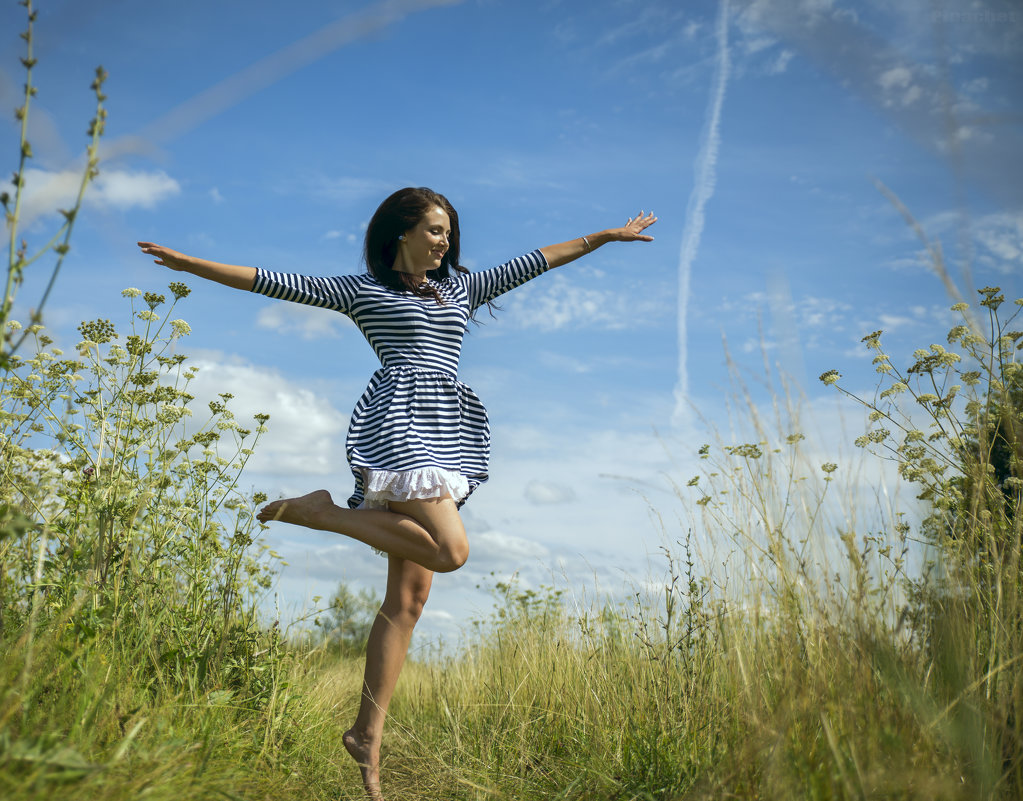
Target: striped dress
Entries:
(417, 431)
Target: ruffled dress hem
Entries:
(382, 486)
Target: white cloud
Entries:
(123, 189)
(539, 492)
(563, 302)
(563, 363)
(898, 86)
(1000, 237)
(47, 191)
(335, 234)
(308, 322)
(807, 312)
(496, 546)
(890, 322)
(215, 196)
(306, 433)
(781, 63)
(997, 238)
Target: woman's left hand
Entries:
(632, 231)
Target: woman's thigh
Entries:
(439, 516)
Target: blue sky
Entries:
(254, 133)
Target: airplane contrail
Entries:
(267, 71)
(705, 169)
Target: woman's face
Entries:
(424, 246)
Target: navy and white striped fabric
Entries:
(415, 413)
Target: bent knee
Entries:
(453, 557)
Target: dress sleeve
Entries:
(336, 292)
(486, 285)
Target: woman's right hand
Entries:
(232, 275)
(167, 257)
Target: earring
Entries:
(401, 237)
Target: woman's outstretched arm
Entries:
(632, 231)
(232, 275)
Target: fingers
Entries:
(163, 256)
(641, 221)
(637, 224)
(151, 248)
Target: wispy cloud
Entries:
(703, 188)
(306, 321)
(46, 191)
(561, 302)
(916, 91)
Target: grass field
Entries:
(134, 663)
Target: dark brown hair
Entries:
(402, 212)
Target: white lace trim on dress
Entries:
(381, 486)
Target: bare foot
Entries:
(367, 757)
(305, 510)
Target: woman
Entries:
(419, 440)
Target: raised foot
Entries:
(367, 757)
(306, 510)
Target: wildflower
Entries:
(131, 292)
(153, 300)
(991, 297)
(97, 331)
(180, 328)
(747, 451)
(894, 389)
(830, 377)
(13, 325)
(960, 307)
(873, 339)
(148, 315)
(179, 289)
(138, 346)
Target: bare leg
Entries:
(428, 531)
(408, 586)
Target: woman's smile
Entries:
(423, 247)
